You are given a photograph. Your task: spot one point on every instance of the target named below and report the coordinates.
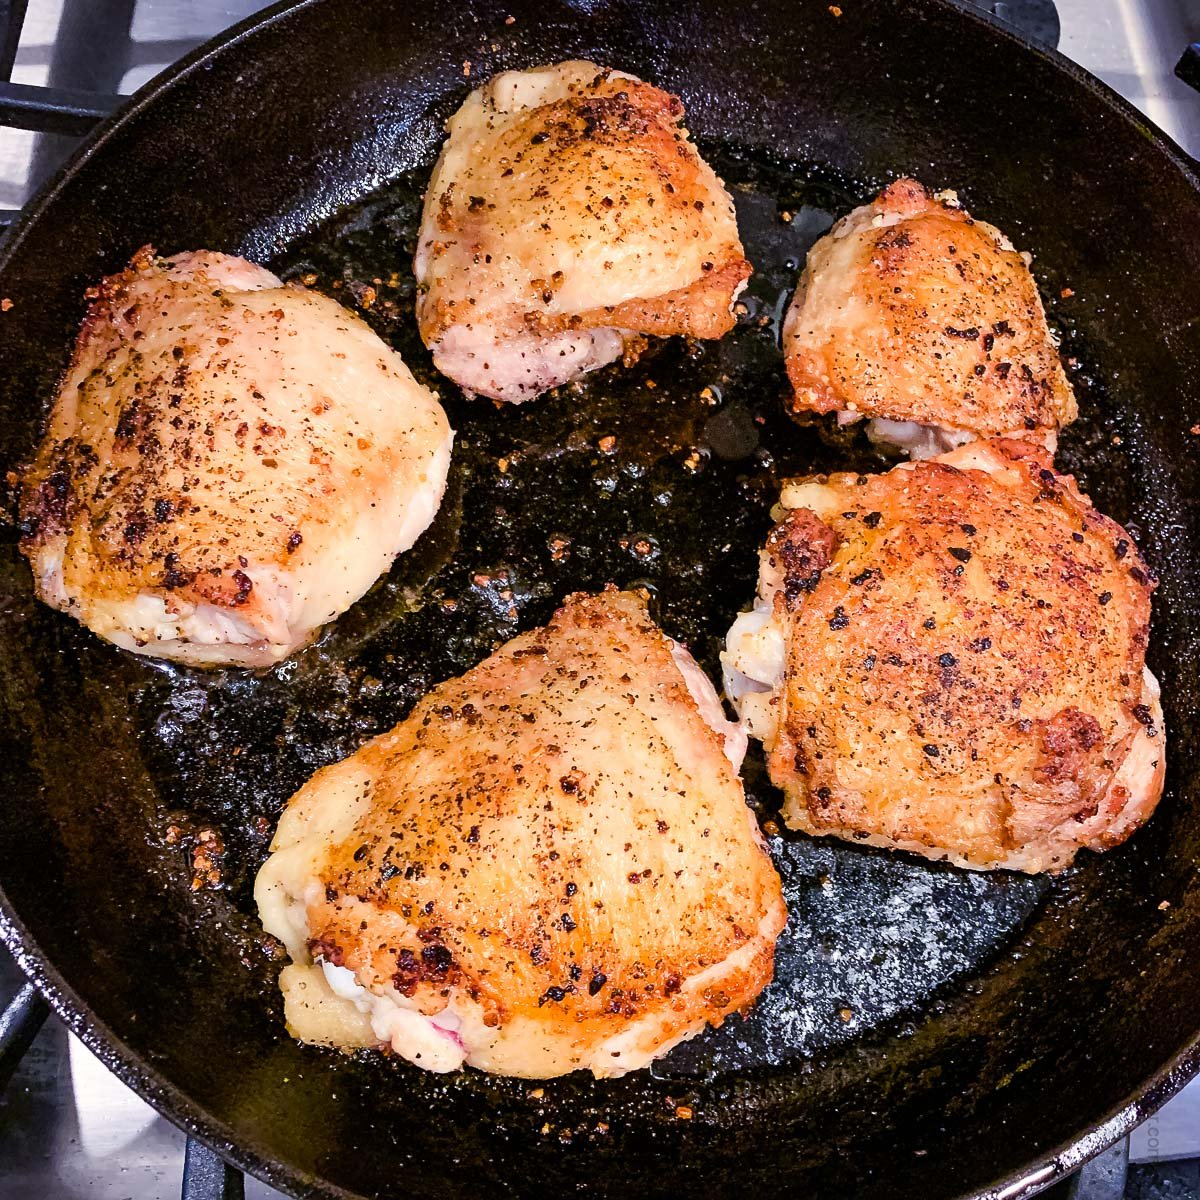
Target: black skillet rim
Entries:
(132, 1069)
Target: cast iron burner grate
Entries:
(64, 116)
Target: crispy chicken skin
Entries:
(927, 322)
(548, 866)
(229, 463)
(569, 215)
(950, 659)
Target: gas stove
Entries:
(69, 1129)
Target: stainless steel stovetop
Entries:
(69, 1129)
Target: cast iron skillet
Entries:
(931, 1033)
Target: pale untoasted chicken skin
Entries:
(229, 464)
(568, 215)
(548, 866)
(950, 659)
(926, 322)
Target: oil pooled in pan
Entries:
(661, 476)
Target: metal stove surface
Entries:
(69, 1129)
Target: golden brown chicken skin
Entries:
(549, 865)
(950, 659)
(229, 463)
(568, 217)
(927, 323)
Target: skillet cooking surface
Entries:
(913, 1002)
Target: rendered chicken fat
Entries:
(926, 323)
(548, 866)
(568, 217)
(229, 464)
(950, 659)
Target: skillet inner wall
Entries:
(114, 752)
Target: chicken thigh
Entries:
(229, 464)
(568, 216)
(549, 865)
(950, 659)
(927, 323)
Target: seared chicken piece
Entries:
(568, 215)
(230, 463)
(549, 865)
(950, 659)
(927, 322)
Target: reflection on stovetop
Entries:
(71, 1130)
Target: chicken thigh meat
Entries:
(548, 866)
(568, 217)
(950, 659)
(927, 323)
(230, 463)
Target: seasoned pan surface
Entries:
(915, 1005)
